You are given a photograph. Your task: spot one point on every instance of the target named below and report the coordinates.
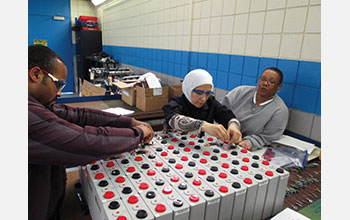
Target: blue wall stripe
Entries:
(301, 85)
(62, 100)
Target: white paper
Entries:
(289, 214)
(157, 91)
(119, 111)
(151, 79)
(293, 142)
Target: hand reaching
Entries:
(216, 130)
(245, 145)
(235, 135)
(148, 132)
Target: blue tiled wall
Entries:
(301, 85)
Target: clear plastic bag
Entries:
(286, 156)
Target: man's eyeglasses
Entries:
(269, 82)
(59, 83)
(203, 93)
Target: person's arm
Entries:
(231, 97)
(176, 119)
(185, 123)
(226, 117)
(196, 126)
(148, 132)
(272, 131)
(53, 140)
(88, 116)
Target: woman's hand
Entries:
(245, 145)
(235, 135)
(216, 130)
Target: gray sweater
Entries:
(262, 124)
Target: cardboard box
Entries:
(128, 92)
(86, 88)
(175, 90)
(129, 96)
(148, 99)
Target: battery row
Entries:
(182, 176)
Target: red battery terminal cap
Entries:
(99, 176)
(223, 175)
(197, 182)
(206, 153)
(194, 198)
(159, 163)
(160, 208)
(191, 143)
(143, 186)
(223, 189)
(122, 218)
(171, 147)
(184, 158)
(193, 136)
(130, 169)
(210, 139)
(164, 154)
(248, 181)
(108, 195)
(120, 179)
(269, 173)
(224, 155)
(174, 140)
(174, 178)
(187, 149)
(203, 160)
(167, 190)
(202, 172)
(133, 199)
(151, 172)
(225, 165)
(244, 168)
(245, 159)
(179, 166)
(244, 151)
(138, 158)
(110, 164)
(265, 162)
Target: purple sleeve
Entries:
(88, 116)
(77, 141)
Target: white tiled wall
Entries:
(286, 29)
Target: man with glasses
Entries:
(197, 110)
(60, 135)
(262, 113)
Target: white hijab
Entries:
(194, 79)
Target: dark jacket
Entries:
(64, 135)
(211, 110)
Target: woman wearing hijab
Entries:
(261, 112)
(196, 110)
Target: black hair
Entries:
(278, 71)
(43, 57)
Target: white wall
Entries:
(287, 29)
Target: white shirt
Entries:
(264, 103)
